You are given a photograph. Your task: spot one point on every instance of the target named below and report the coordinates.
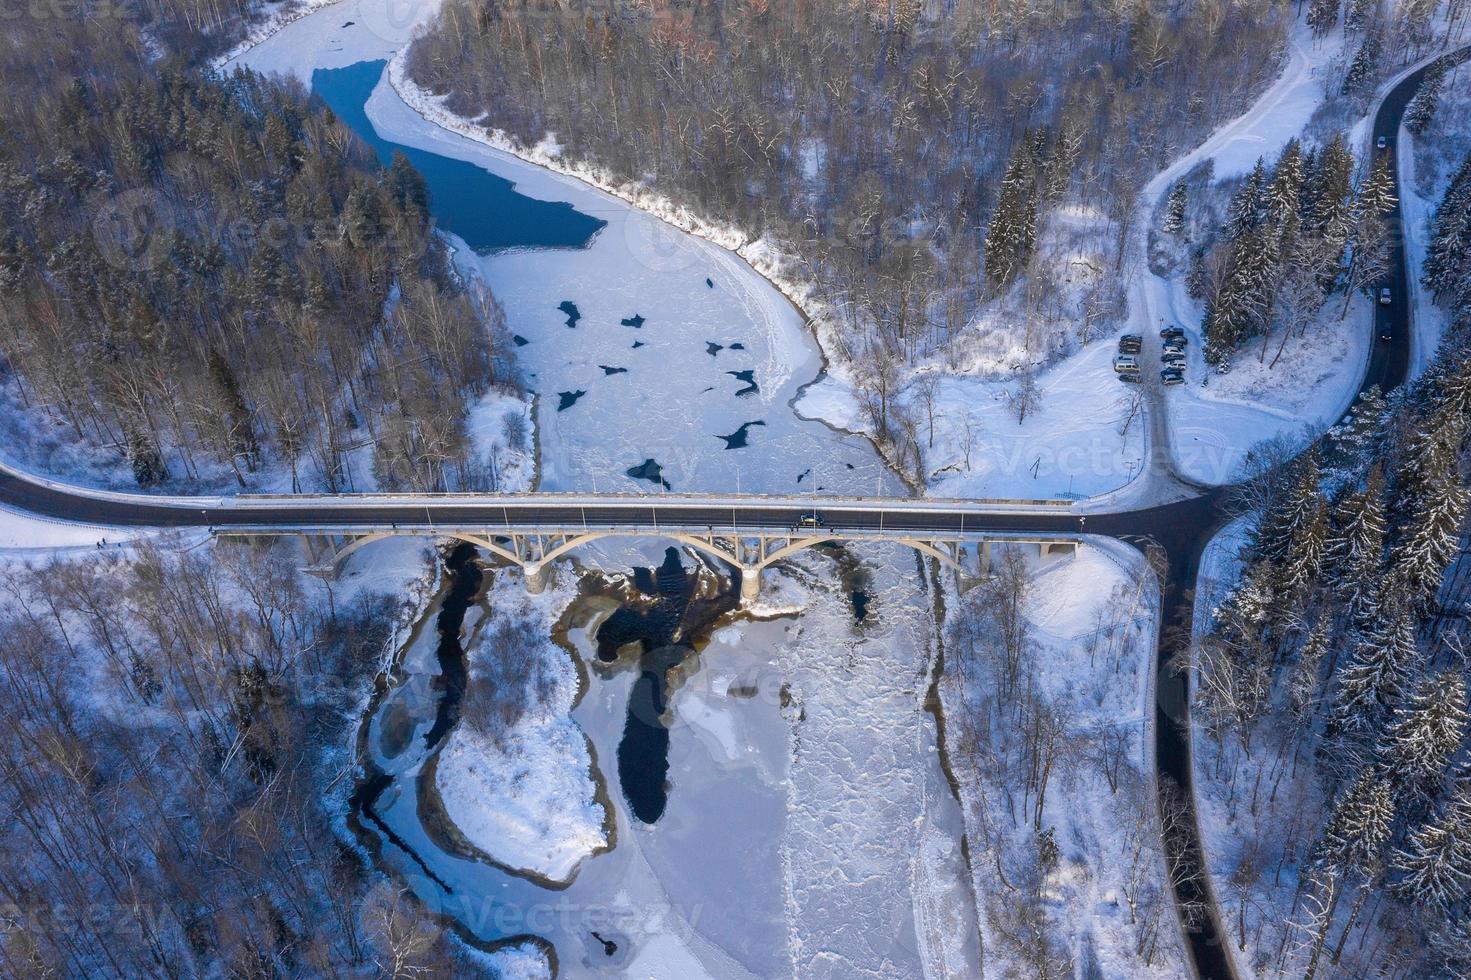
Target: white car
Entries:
(1384, 296)
(1125, 362)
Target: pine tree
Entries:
(1371, 682)
(1012, 234)
(1302, 566)
(1426, 731)
(1377, 194)
(1322, 16)
(1359, 14)
(1448, 257)
(1365, 66)
(1329, 203)
(1292, 508)
(1356, 548)
(1304, 683)
(1436, 862)
(1175, 208)
(1359, 826)
(1421, 111)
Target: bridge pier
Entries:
(536, 577)
(750, 584)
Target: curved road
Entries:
(1181, 529)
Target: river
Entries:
(803, 772)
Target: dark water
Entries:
(613, 370)
(749, 377)
(713, 348)
(651, 471)
(737, 345)
(483, 209)
(465, 580)
(566, 399)
(663, 632)
(637, 344)
(520, 340)
(634, 321)
(573, 313)
(737, 439)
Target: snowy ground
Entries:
(1427, 164)
(1094, 620)
(1215, 419)
(530, 802)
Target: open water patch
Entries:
(651, 471)
(737, 439)
(749, 378)
(612, 370)
(483, 209)
(571, 311)
(636, 321)
(566, 399)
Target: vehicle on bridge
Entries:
(813, 519)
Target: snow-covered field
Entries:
(1093, 618)
(528, 802)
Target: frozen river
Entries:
(819, 839)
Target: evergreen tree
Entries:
(1356, 547)
(1175, 208)
(1448, 257)
(1360, 13)
(1303, 685)
(1302, 565)
(1371, 682)
(1426, 731)
(1322, 16)
(1292, 508)
(1012, 235)
(1365, 66)
(1421, 111)
(1358, 828)
(1436, 862)
(1377, 194)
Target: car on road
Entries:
(1384, 296)
(1171, 376)
(813, 519)
(1382, 143)
(1386, 329)
(1126, 362)
(1168, 333)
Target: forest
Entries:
(211, 278)
(1334, 674)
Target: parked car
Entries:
(1131, 343)
(1172, 376)
(1170, 332)
(1174, 358)
(1384, 296)
(1126, 362)
(1130, 377)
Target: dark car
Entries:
(1173, 358)
(1172, 376)
(1172, 332)
(1131, 377)
(1386, 331)
(813, 519)
(1131, 343)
